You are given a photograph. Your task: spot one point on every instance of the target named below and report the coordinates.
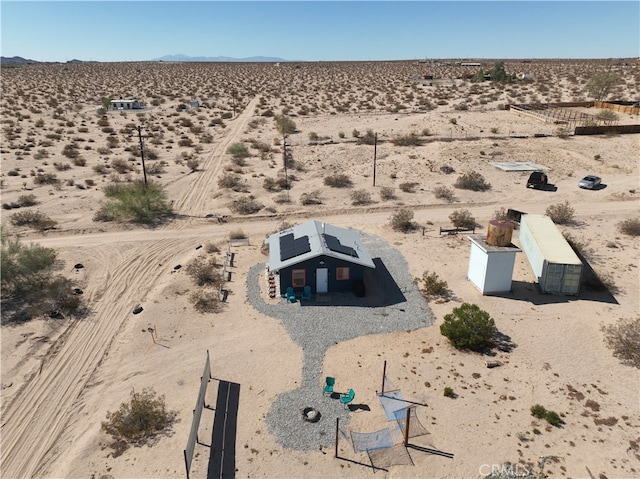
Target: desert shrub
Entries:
(607, 115)
(245, 206)
(448, 392)
(135, 202)
(561, 213)
(70, 151)
(623, 338)
(284, 124)
(238, 151)
(468, 327)
(311, 198)
(27, 200)
(538, 411)
(433, 285)
(360, 197)
(387, 193)
(629, 226)
(274, 184)
(237, 234)
(553, 418)
(24, 267)
(204, 271)
(313, 136)
(185, 141)
(205, 301)
(402, 220)
(121, 165)
(282, 198)
(500, 214)
(34, 219)
(472, 180)
(408, 187)
(407, 140)
(193, 164)
(369, 138)
(61, 166)
(79, 161)
(155, 168)
(339, 180)
(462, 219)
(100, 168)
(46, 179)
(355, 133)
(229, 180)
(138, 420)
(443, 193)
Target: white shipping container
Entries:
(554, 263)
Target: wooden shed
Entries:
(325, 257)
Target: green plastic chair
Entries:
(347, 398)
(306, 293)
(291, 296)
(328, 387)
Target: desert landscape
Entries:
(61, 150)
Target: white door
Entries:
(322, 280)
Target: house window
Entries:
(298, 278)
(342, 274)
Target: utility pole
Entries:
(144, 169)
(284, 159)
(375, 148)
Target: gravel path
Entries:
(393, 303)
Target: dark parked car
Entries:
(590, 182)
(537, 179)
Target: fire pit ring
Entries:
(310, 414)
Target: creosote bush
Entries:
(205, 301)
(34, 219)
(408, 187)
(360, 197)
(462, 219)
(472, 180)
(468, 327)
(387, 193)
(245, 206)
(561, 213)
(432, 285)
(311, 198)
(402, 220)
(623, 338)
(135, 202)
(629, 226)
(443, 193)
(204, 271)
(339, 180)
(238, 151)
(138, 420)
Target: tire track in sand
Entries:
(37, 416)
(193, 203)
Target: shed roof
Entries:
(312, 239)
(552, 244)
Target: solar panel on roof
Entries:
(334, 244)
(301, 245)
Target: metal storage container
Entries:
(554, 263)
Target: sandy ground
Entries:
(60, 377)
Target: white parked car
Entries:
(590, 182)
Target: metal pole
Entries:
(384, 372)
(337, 427)
(144, 170)
(406, 427)
(375, 147)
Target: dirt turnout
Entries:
(60, 377)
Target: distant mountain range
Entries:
(15, 61)
(166, 58)
(186, 58)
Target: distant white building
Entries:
(128, 104)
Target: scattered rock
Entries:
(77, 291)
(493, 364)
(178, 266)
(79, 266)
(137, 310)
(199, 246)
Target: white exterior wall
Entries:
(491, 271)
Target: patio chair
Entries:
(291, 296)
(328, 387)
(306, 293)
(347, 398)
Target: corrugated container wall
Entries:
(556, 266)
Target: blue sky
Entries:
(327, 31)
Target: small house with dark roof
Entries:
(319, 255)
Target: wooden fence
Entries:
(228, 262)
